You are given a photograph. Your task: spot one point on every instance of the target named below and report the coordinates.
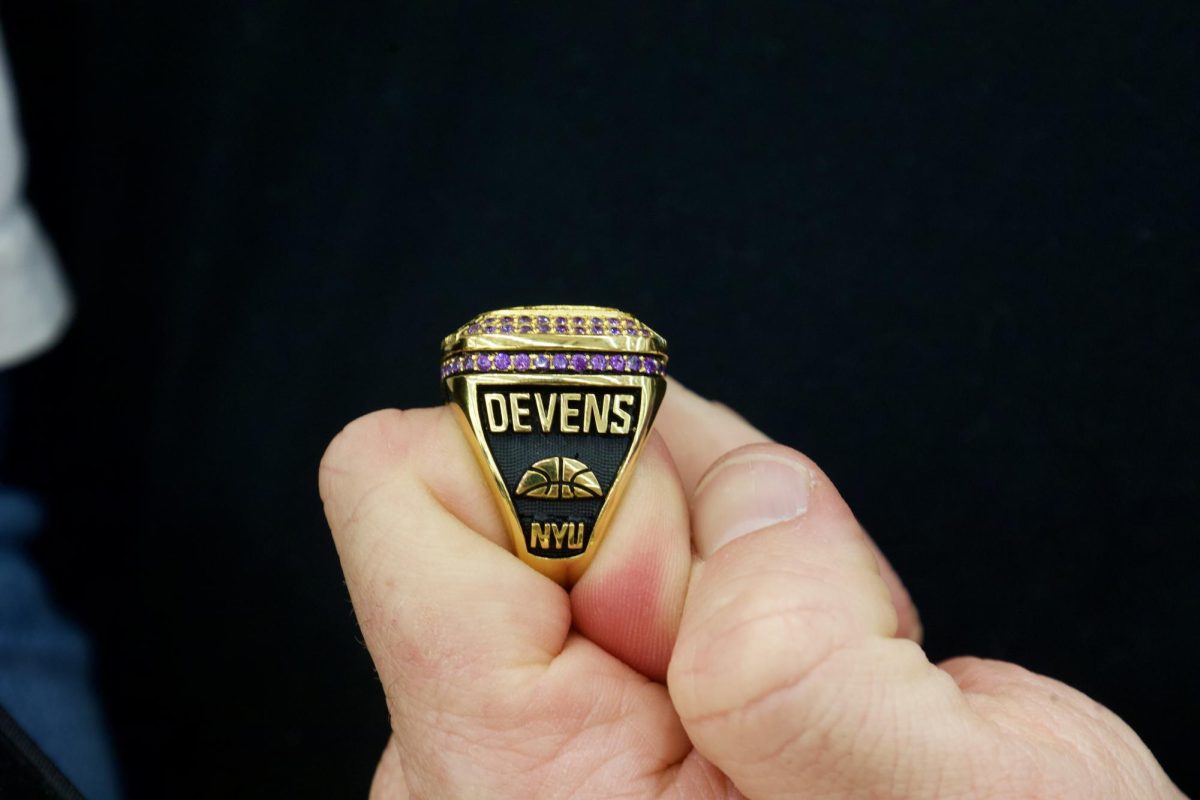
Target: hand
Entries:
(737, 635)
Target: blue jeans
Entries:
(45, 675)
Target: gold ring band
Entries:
(557, 401)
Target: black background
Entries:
(949, 250)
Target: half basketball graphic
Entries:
(559, 477)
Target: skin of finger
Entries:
(631, 597)
(786, 674)
(699, 431)
(389, 783)
(1068, 733)
(459, 630)
(374, 448)
(488, 695)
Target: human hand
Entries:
(737, 635)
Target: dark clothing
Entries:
(45, 680)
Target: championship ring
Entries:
(557, 402)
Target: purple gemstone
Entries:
(489, 320)
(577, 321)
(543, 320)
(489, 328)
(474, 328)
(560, 361)
(541, 361)
(466, 363)
(521, 361)
(613, 321)
(581, 330)
(596, 320)
(635, 364)
(506, 328)
(597, 362)
(579, 362)
(507, 320)
(484, 362)
(526, 329)
(644, 332)
(651, 366)
(524, 320)
(501, 361)
(543, 327)
(617, 363)
(560, 328)
(560, 320)
(597, 328)
(614, 331)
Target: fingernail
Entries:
(748, 493)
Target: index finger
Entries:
(488, 682)
(698, 431)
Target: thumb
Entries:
(788, 675)
(786, 672)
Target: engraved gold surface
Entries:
(559, 477)
(464, 390)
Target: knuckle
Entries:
(362, 459)
(758, 643)
(364, 442)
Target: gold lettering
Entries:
(494, 403)
(624, 419)
(592, 413)
(520, 410)
(568, 411)
(556, 536)
(539, 536)
(575, 537)
(545, 412)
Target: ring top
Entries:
(555, 328)
(581, 337)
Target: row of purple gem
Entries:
(556, 362)
(597, 326)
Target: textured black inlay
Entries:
(514, 453)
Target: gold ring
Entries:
(556, 401)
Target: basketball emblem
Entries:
(559, 477)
